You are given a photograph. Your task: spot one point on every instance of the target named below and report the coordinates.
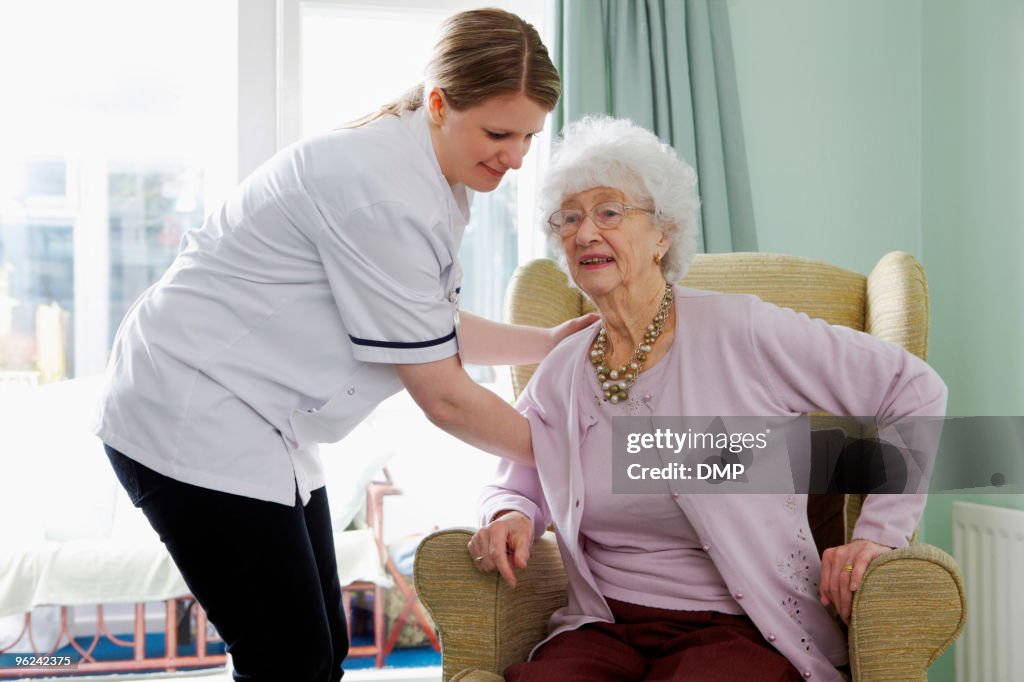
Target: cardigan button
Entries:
(739, 595)
(706, 548)
(771, 637)
(807, 674)
(675, 494)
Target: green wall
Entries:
(874, 125)
(830, 95)
(973, 199)
(972, 209)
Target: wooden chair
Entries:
(412, 610)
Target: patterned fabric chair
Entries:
(910, 607)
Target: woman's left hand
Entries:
(838, 581)
(572, 326)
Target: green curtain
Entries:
(666, 64)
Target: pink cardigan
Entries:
(740, 356)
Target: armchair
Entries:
(911, 605)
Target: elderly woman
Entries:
(678, 586)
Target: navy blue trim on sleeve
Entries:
(402, 344)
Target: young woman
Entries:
(325, 284)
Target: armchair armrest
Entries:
(909, 609)
(484, 624)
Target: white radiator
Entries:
(988, 543)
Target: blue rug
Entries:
(108, 651)
(412, 657)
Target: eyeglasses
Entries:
(607, 216)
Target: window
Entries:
(117, 131)
(151, 206)
(124, 122)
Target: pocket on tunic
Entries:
(358, 397)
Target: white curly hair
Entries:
(601, 151)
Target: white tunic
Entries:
(277, 325)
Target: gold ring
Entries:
(478, 558)
(848, 568)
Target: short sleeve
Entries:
(392, 276)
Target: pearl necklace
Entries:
(616, 382)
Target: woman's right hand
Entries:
(503, 545)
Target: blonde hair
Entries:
(480, 54)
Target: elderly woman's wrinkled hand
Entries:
(842, 570)
(503, 545)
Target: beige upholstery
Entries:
(911, 605)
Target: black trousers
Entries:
(265, 573)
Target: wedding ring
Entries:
(478, 558)
(848, 568)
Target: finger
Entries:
(578, 323)
(835, 591)
(480, 561)
(829, 594)
(478, 550)
(519, 547)
(521, 553)
(860, 566)
(839, 579)
(826, 575)
(845, 599)
(479, 539)
(498, 555)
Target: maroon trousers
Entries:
(646, 643)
